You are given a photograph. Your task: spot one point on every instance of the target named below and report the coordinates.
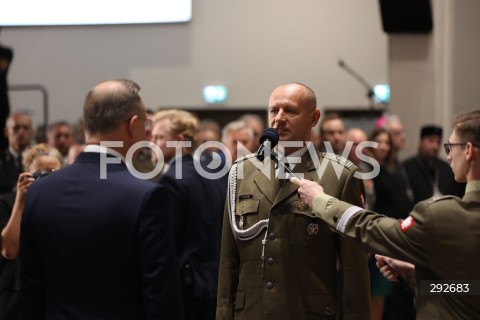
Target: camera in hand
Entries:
(40, 174)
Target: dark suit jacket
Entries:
(197, 208)
(8, 172)
(422, 181)
(95, 248)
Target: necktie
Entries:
(19, 164)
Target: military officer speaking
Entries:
(278, 261)
(441, 236)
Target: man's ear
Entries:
(470, 151)
(316, 116)
(130, 125)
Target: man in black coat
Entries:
(198, 196)
(430, 176)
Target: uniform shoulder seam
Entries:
(439, 198)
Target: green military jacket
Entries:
(441, 237)
(295, 274)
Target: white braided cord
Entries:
(254, 230)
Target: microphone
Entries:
(268, 139)
(353, 73)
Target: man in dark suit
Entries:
(96, 242)
(19, 133)
(197, 202)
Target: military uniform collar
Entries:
(294, 155)
(473, 186)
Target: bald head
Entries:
(109, 104)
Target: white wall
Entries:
(250, 46)
(435, 76)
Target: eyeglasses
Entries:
(448, 146)
(148, 122)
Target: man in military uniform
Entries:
(433, 236)
(277, 260)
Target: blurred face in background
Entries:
(242, 138)
(161, 133)
(381, 152)
(398, 135)
(19, 131)
(61, 138)
(334, 131)
(430, 146)
(357, 136)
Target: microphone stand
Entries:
(359, 78)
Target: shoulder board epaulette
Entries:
(245, 157)
(338, 159)
(438, 198)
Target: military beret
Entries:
(430, 130)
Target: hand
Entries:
(393, 268)
(307, 190)
(24, 181)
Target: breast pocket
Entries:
(247, 215)
(305, 229)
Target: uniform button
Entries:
(270, 261)
(335, 218)
(269, 285)
(271, 236)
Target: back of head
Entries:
(109, 104)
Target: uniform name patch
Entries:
(245, 197)
(407, 224)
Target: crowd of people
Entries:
(209, 231)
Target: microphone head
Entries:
(270, 134)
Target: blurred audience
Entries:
(39, 161)
(19, 133)
(60, 136)
(238, 137)
(400, 304)
(6, 57)
(430, 176)
(197, 207)
(332, 130)
(257, 124)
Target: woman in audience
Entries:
(39, 161)
(383, 190)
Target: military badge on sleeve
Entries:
(406, 224)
